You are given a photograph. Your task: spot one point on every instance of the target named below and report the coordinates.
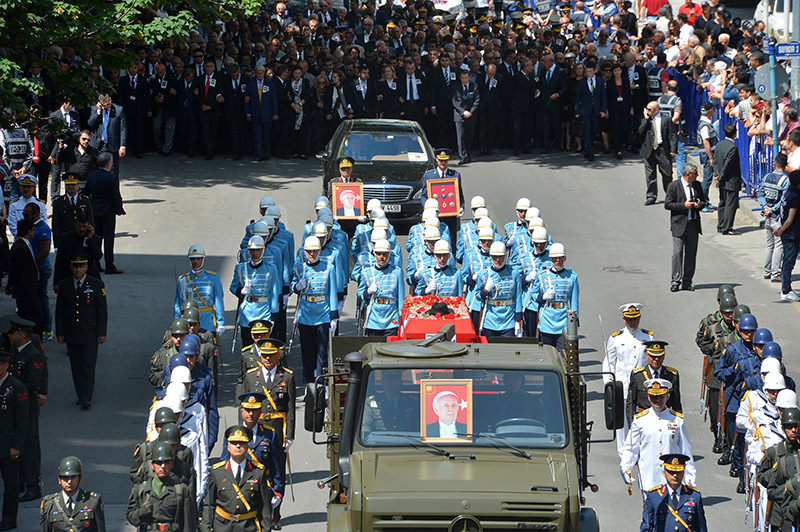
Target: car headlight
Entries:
(417, 194)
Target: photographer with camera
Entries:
(64, 126)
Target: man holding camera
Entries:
(685, 199)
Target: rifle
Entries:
(483, 310)
(235, 328)
(289, 470)
(294, 320)
(721, 413)
(703, 386)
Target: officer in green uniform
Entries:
(162, 502)
(389, 409)
(67, 207)
(769, 475)
(72, 509)
(237, 497)
(177, 330)
(181, 468)
(655, 369)
(163, 416)
(251, 358)
(209, 350)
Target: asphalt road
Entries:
(619, 248)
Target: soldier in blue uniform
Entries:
(673, 505)
(532, 261)
(443, 172)
(498, 291)
(202, 389)
(321, 203)
(443, 278)
(362, 238)
(476, 261)
(329, 253)
(558, 292)
(263, 204)
(283, 263)
(257, 285)
(430, 218)
(468, 235)
(421, 258)
(317, 314)
(281, 234)
(383, 291)
(517, 231)
(204, 286)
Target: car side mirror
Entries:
(614, 403)
(315, 404)
(322, 156)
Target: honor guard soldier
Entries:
(522, 243)
(162, 502)
(13, 426)
(251, 357)
(317, 313)
(637, 396)
(624, 353)
(81, 321)
(443, 172)
(177, 332)
(673, 505)
(329, 253)
(558, 292)
(209, 350)
(531, 262)
(237, 498)
(204, 286)
(283, 261)
(72, 508)
(429, 218)
(476, 260)
(443, 278)
(777, 470)
(383, 291)
(338, 239)
(263, 204)
(29, 365)
(499, 294)
(283, 235)
(66, 208)
(322, 204)
(468, 236)
(264, 446)
(421, 258)
(257, 284)
(366, 257)
(653, 430)
(517, 231)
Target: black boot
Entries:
(736, 472)
(718, 445)
(725, 459)
(741, 487)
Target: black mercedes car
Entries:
(390, 158)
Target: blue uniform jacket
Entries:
(477, 260)
(447, 281)
(264, 448)
(362, 239)
(420, 260)
(516, 233)
(265, 291)
(433, 173)
(553, 313)
(263, 111)
(206, 288)
(656, 516)
(730, 371)
(530, 267)
(383, 311)
(366, 259)
(503, 302)
(417, 231)
(317, 302)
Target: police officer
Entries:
(27, 187)
(652, 430)
(237, 498)
(443, 172)
(251, 357)
(531, 261)
(707, 138)
(163, 502)
(257, 284)
(499, 293)
(442, 278)
(177, 332)
(17, 147)
(673, 505)
(517, 231)
(382, 290)
(624, 353)
(558, 292)
(81, 322)
(73, 507)
(13, 426)
(204, 286)
(67, 207)
(317, 313)
(654, 352)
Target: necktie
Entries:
(133, 82)
(447, 76)
(410, 94)
(66, 119)
(692, 214)
(74, 203)
(364, 90)
(591, 85)
(674, 500)
(655, 134)
(77, 286)
(465, 90)
(549, 73)
(259, 91)
(70, 505)
(105, 126)
(208, 80)
(238, 473)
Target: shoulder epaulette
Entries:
(212, 273)
(640, 414)
(268, 427)
(218, 464)
(183, 276)
(287, 370)
(656, 488)
(676, 414)
(248, 348)
(48, 498)
(639, 369)
(692, 488)
(616, 333)
(251, 370)
(648, 332)
(13, 201)
(136, 451)
(257, 464)
(93, 494)
(671, 369)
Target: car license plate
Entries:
(391, 208)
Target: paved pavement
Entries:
(619, 248)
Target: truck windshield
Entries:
(363, 146)
(477, 407)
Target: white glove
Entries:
(530, 277)
(417, 275)
(286, 444)
(461, 211)
(549, 294)
(626, 477)
(489, 284)
(275, 501)
(474, 276)
(285, 300)
(518, 329)
(362, 219)
(220, 330)
(373, 288)
(431, 288)
(334, 324)
(340, 306)
(301, 284)
(246, 290)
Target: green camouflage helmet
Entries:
(170, 433)
(70, 467)
(192, 315)
(191, 302)
(179, 326)
(790, 416)
(162, 451)
(725, 289)
(739, 311)
(164, 415)
(727, 303)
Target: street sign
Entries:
(787, 49)
(762, 83)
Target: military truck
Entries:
(433, 435)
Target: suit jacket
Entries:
(263, 111)
(285, 99)
(390, 106)
(464, 102)
(81, 315)
(69, 131)
(340, 211)
(441, 95)
(432, 430)
(71, 244)
(234, 106)
(675, 203)
(641, 95)
(423, 89)
(523, 91)
(637, 394)
(556, 85)
(590, 103)
(209, 97)
(163, 87)
(491, 96)
(362, 107)
(669, 136)
(726, 165)
(134, 99)
(23, 274)
(187, 105)
(117, 128)
(103, 187)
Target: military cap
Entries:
(170, 433)
(252, 400)
(657, 386)
(238, 433)
(674, 461)
(5, 356)
(13, 321)
(631, 310)
(346, 162)
(655, 348)
(162, 452)
(164, 415)
(443, 154)
(727, 303)
(260, 327)
(27, 180)
(269, 346)
(70, 178)
(740, 310)
(79, 259)
(70, 466)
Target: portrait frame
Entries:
(429, 389)
(445, 192)
(337, 206)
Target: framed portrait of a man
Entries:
(446, 409)
(347, 200)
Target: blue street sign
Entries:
(787, 49)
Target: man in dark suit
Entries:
(163, 107)
(110, 129)
(522, 95)
(492, 86)
(658, 149)
(134, 97)
(414, 87)
(362, 95)
(187, 113)
(66, 123)
(590, 106)
(82, 240)
(446, 406)
(442, 79)
(553, 85)
(286, 115)
(466, 98)
(81, 319)
(637, 76)
(103, 187)
(208, 92)
(13, 427)
(261, 109)
(728, 174)
(23, 275)
(684, 200)
(234, 91)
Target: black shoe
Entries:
(85, 405)
(467, 159)
(735, 472)
(276, 525)
(462, 162)
(7, 526)
(30, 495)
(650, 201)
(113, 270)
(619, 155)
(688, 287)
(718, 446)
(725, 459)
(673, 288)
(590, 158)
(732, 232)
(740, 488)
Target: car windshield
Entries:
(477, 407)
(380, 146)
